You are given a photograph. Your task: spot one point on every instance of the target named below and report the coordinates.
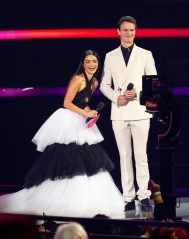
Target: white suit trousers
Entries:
(133, 135)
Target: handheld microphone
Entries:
(99, 107)
(130, 86)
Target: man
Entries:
(127, 64)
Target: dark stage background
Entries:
(50, 62)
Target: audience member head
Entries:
(171, 233)
(103, 227)
(71, 230)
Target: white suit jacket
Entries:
(116, 75)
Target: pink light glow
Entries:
(42, 91)
(89, 33)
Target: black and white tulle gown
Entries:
(72, 175)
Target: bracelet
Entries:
(156, 193)
(157, 198)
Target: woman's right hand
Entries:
(91, 113)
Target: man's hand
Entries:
(130, 94)
(121, 100)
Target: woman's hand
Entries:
(91, 113)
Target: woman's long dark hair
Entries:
(80, 68)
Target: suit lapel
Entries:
(121, 64)
(130, 65)
(132, 57)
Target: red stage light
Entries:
(89, 33)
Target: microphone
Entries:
(99, 107)
(130, 86)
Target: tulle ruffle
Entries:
(81, 196)
(60, 161)
(65, 127)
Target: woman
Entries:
(71, 177)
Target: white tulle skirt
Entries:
(65, 127)
(81, 196)
(72, 177)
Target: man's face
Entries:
(127, 33)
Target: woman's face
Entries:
(90, 64)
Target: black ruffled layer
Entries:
(60, 161)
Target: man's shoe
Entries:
(130, 206)
(145, 205)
